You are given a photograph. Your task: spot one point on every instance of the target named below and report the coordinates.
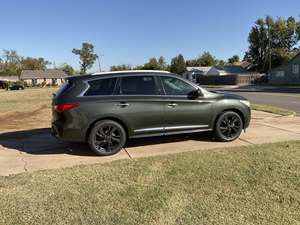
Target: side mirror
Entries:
(195, 94)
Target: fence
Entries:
(232, 79)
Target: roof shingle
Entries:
(42, 74)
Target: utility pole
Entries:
(268, 20)
(99, 59)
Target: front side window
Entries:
(101, 87)
(174, 86)
(138, 85)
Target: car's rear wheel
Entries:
(228, 126)
(107, 137)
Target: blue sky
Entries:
(131, 31)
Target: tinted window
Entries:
(101, 87)
(174, 86)
(63, 88)
(138, 85)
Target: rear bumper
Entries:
(67, 134)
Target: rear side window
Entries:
(138, 85)
(63, 88)
(101, 87)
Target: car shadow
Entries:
(41, 142)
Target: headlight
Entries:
(247, 103)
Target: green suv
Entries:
(106, 109)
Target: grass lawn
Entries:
(30, 108)
(259, 184)
(25, 101)
(272, 109)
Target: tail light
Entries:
(65, 107)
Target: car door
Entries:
(183, 113)
(140, 104)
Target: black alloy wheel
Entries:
(107, 137)
(229, 126)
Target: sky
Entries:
(132, 31)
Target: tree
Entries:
(152, 64)
(178, 64)
(192, 62)
(272, 40)
(86, 55)
(162, 63)
(69, 70)
(29, 63)
(120, 67)
(11, 63)
(234, 59)
(206, 59)
(220, 63)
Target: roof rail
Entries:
(132, 71)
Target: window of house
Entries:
(101, 87)
(279, 73)
(295, 69)
(138, 85)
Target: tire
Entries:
(228, 127)
(107, 137)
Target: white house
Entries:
(49, 76)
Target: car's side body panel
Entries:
(141, 115)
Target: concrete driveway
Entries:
(31, 150)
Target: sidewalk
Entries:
(33, 150)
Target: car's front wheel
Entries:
(107, 137)
(229, 126)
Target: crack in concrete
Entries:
(22, 159)
(127, 153)
(246, 141)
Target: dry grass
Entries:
(30, 108)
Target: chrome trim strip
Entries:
(149, 129)
(186, 127)
(170, 128)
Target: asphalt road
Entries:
(288, 98)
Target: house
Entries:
(192, 73)
(43, 77)
(286, 74)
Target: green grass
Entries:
(272, 109)
(243, 185)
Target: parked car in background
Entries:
(16, 87)
(106, 109)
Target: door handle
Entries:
(172, 105)
(123, 104)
